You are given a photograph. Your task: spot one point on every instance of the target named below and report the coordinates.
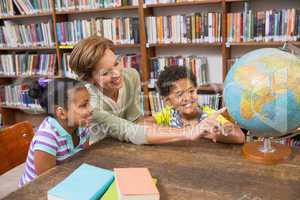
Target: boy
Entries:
(178, 88)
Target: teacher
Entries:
(115, 98)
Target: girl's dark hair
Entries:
(169, 75)
(54, 93)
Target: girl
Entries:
(62, 133)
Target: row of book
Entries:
(27, 64)
(121, 30)
(214, 101)
(270, 25)
(129, 60)
(147, 2)
(65, 5)
(26, 35)
(197, 64)
(25, 7)
(194, 28)
(16, 95)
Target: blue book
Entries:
(86, 183)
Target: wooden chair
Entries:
(14, 145)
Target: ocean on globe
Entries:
(262, 92)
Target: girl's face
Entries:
(107, 74)
(79, 110)
(183, 97)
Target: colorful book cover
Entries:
(86, 182)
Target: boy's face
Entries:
(108, 72)
(79, 110)
(183, 97)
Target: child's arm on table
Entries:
(43, 161)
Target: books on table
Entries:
(135, 184)
(86, 183)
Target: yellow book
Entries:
(112, 193)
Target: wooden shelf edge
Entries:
(30, 110)
(210, 88)
(111, 9)
(186, 45)
(115, 46)
(26, 48)
(262, 43)
(11, 17)
(30, 76)
(188, 3)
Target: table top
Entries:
(185, 170)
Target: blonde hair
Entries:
(87, 53)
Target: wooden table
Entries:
(187, 171)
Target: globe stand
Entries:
(266, 153)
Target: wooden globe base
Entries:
(252, 151)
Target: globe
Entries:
(262, 92)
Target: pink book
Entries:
(135, 184)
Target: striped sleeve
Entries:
(45, 141)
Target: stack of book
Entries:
(26, 35)
(121, 30)
(269, 25)
(65, 5)
(96, 183)
(194, 28)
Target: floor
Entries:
(10, 180)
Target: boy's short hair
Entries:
(169, 75)
(87, 53)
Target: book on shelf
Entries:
(214, 101)
(156, 102)
(27, 7)
(26, 35)
(197, 64)
(121, 30)
(129, 60)
(192, 28)
(86, 182)
(65, 5)
(16, 95)
(6, 8)
(263, 26)
(27, 65)
(135, 183)
(147, 2)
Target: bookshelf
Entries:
(146, 50)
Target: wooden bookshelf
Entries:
(12, 17)
(96, 10)
(146, 50)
